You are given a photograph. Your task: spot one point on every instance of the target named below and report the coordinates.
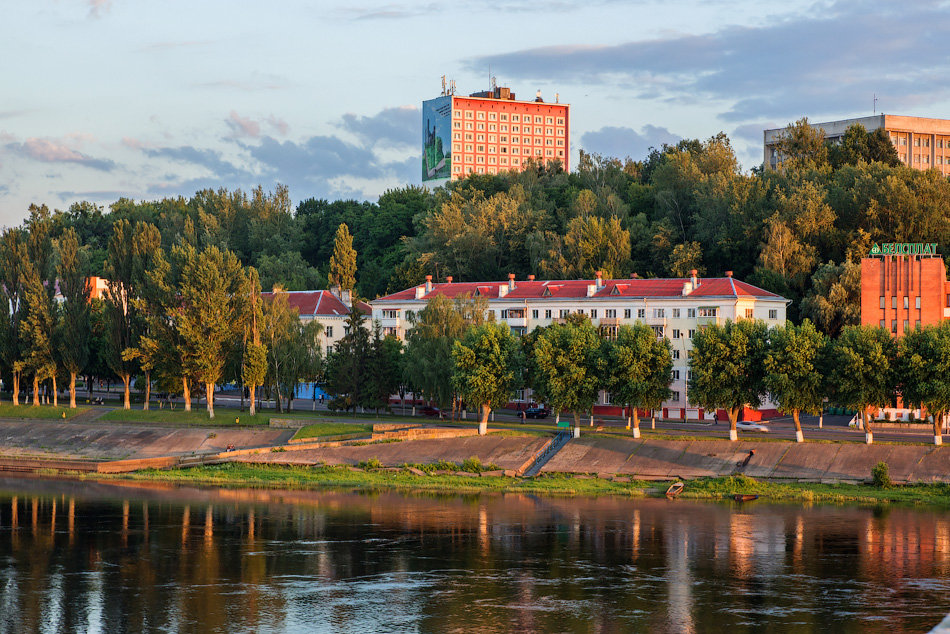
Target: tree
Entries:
(834, 300)
(862, 370)
(487, 368)
(74, 327)
(343, 260)
(384, 373)
(279, 324)
(793, 366)
(727, 368)
(640, 368)
(924, 372)
(349, 364)
(254, 364)
(802, 146)
(565, 365)
(13, 256)
(302, 358)
(38, 327)
(211, 285)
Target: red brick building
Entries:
(903, 292)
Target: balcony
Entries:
(517, 322)
(609, 321)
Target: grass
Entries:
(322, 430)
(8, 410)
(374, 477)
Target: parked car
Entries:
(537, 412)
(746, 425)
(428, 410)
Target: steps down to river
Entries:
(547, 453)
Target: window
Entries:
(906, 302)
(882, 302)
(469, 114)
(504, 313)
(390, 314)
(707, 312)
(641, 313)
(894, 301)
(547, 314)
(481, 115)
(504, 117)
(906, 325)
(676, 333)
(659, 313)
(627, 311)
(689, 375)
(917, 324)
(882, 323)
(675, 397)
(491, 116)
(329, 350)
(329, 331)
(748, 313)
(917, 302)
(610, 313)
(773, 313)
(893, 325)
(514, 117)
(593, 313)
(691, 334)
(564, 313)
(676, 355)
(658, 331)
(534, 314)
(607, 398)
(676, 313)
(676, 375)
(691, 313)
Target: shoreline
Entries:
(238, 475)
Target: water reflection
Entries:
(157, 558)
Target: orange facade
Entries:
(491, 135)
(901, 293)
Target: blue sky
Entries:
(144, 99)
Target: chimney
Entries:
(694, 280)
(346, 297)
(728, 273)
(420, 292)
(531, 278)
(429, 283)
(448, 279)
(600, 279)
(511, 282)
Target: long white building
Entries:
(675, 308)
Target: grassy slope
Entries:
(321, 430)
(7, 410)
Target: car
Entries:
(428, 410)
(746, 425)
(537, 412)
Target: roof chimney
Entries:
(728, 273)
(531, 278)
(429, 284)
(694, 280)
(511, 281)
(448, 279)
(600, 279)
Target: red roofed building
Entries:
(674, 308)
(326, 307)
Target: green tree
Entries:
(802, 146)
(211, 285)
(280, 322)
(565, 365)
(640, 368)
(488, 368)
(254, 364)
(793, 365)
(834, 300)
(13, 256)
(38, 327)
(863, 371)
(74, 327)
(727, 368)
(343, 260)
(384, 373)
(924, 372)
(303, 361)
(348, 366)
(591, 244)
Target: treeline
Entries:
(455, 358)
(184, 318)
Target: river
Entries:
(94, 557)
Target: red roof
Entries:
(637, 287)
(318, 303)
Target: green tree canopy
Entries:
(794, 370)
(924, 372)
(863, 370)
(488, 367)
(640, 369)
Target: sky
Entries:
(103, 99)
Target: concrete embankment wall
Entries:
(820, 462)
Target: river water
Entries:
(80, 556)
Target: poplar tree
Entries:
(640, 367)
(343, 260)
(13, 256)
(488, 368)
(38, 327)
(74, 327)
(254, 364)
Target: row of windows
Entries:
(906, 325)
(468, 158)
(906, 301)
(504, 128)
(503, 116)
(503, 139)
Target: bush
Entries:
(372, 463)
(881, 475)
(472, 465)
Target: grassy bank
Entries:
(323, 430)
(8, 410)
(198, 416)
(293, 477)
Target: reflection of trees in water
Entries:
(150, 559)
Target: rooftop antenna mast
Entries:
(875, 103)
(443, 86)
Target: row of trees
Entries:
(183, 318)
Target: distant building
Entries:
(903, 287)
(921, 143)
(673, 308)
(330, 308)
(490, 132)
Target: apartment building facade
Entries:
(674, 308)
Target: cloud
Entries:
(48, 151)
(278, 124)
(621, 142)
(242, 126)
(823, 62)
(392, 127)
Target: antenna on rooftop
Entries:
(443, 86)
(875, 103)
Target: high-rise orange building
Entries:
(904, 286)
(491, 132)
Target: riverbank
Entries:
(443, 480)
